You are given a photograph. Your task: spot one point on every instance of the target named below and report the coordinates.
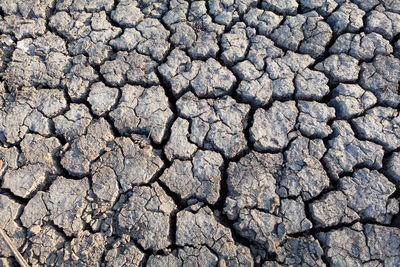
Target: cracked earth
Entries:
(200, 133)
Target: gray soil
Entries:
(200, 133)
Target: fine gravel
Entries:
(200, 133)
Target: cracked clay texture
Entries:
(200, 132)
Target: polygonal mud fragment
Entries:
(131, 160)
(251, 183)
(380, 125)
(43, 61)
(323, 7)
(348, 18)
(311, 85)
(199, 226)
(23, 28)
(332, 209)
(313, 119)
(130, 67)
(261, 48)
(234, 44)
(361, 46)
(286, 7)
(102, 98)
(381, 77)
(255, 92)
(383, 243)
(215, 124)
(73, 123)
(146, 217)
(128, 255)
(66, 201)
(35, 212)
(271, 128)
(127, 14)
(303, 173)
(227, 12)
(79, 78)
(351, 100)
(294, 216)
(393, 168)
(199, 178)
(9, 210)
(264, 21)
(345, 246)
(143, 111)
(178, 146)
(368, 194)
(282, 71)
(385, 23)
(302, 251)
(340, 68)
(83, 150)
(260, 227)
(44, 245)
(23, 8)
(345, 151)
(187, 256)
(86, 249)
(36, 163)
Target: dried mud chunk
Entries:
(35, 212)
(332, 209)
(234, 44)
(255, 92)
(263, 228)
(345, 246)
(183, 35)
(74, 122)
(130, 67)
(143, 111)
(128, 255)
(340, 68)
(324, 7)
(25, 8)
(385, 23)
(199, 178)
(146, 217)
(104, 184)
(303, 174)
(50, 102)
(302, 251)
(127, 14)
(346, 152)
(44, 245)
(289, 34)
(361, 46)
(285, 7)
(260, 49)
(313, 119)
(348, 18)
(294, 216)
(102, 98)
(282, 72)
(9, 210)
(66, 202)
(36, 164)
(271, 128)
(78, 158)
(212, 79)
(22, 27)
(79, 78)
(153, 8)
(155, 37)
(187, 256)
(226, 135)
(251, 183)
(178, 146)
(200, 227)
(127, 41)
(226, 13)
(393, 168)
(133, 161)
(86, 249)
(205, 46)
(383, 243)
(381, 77)
(43, 61)
(264, 21)
(380, 125)
(311, 85)
(351, 100)
(368, 194)
(178, 71)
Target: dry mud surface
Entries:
(200, 133)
